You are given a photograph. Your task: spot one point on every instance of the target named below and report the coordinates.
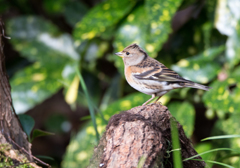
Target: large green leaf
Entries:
(40, 42)
(200, 68)
(34, 84)
(223, 99)
(203, 147)
(99, 18)
(80, 148)
(184, 114)
(159, 16)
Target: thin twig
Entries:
(21, 148)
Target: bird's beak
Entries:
(120, 54)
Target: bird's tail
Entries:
(198, 86)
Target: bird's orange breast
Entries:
(128, 74)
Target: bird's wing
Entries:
(162, 74)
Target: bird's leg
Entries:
(158, 99)
(153, 96)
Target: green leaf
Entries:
(80, 148)
(27, 123)
(39, 41)
(200, 68)
(177, 158)
(39, 133)
(203, 147)
(74, 12)
(159, 16)
(99, 18)
(223, 99)
(185, 115)
(229, 126)
(221, 137)
(54, 7)
(214, 162)
(209, 151)
(90, 102)
(34, 84)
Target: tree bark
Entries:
(141, 137)
(14, 146)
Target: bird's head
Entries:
(132, 54)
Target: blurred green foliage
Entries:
(198, 40)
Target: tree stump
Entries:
(141, 134)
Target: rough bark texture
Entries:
(10, 127)
(141, 134)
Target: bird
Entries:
(149, 76)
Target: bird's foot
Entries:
(158, 102)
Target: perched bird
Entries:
(149, 76)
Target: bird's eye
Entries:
(127, 53)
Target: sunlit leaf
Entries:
(184, 114)
(80, 148)
(200, 68)
(203, 147)
(218, 97)
(34, 84)
(159, 15)
(72, 92)
(221, 98)
(39, 41)
(99, 18)
(230, 126)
